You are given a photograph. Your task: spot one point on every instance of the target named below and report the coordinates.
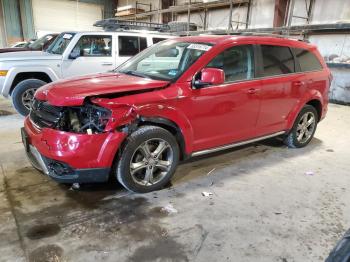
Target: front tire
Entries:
(303, 129)
(148, 160)
(23, 95)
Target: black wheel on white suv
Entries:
(148, 160)
(23, 95)
(303, 129)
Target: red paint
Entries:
(207, 117)
(213, 76)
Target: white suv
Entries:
(71, 54)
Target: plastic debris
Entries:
(75, 186)
(169, 209)
(309, 173)
(207, 194)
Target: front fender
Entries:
(311, 95)
(14, 71)
(123, 114)
(175, 116)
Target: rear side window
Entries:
(307, 60)
(277, 60)
(237, 63)
(158, 39)
(131, 45)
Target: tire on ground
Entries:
(291, 139)
(19, 90)
(141, 135)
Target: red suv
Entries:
(179, 98)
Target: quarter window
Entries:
(277, 60)
(131, 45)
(307, 60)
(158, 39)
(94, 45)
(237, 63)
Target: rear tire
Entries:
(148, 160)
(23, 94)
(303, 129)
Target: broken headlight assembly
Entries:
(90, 119)
(86, 119)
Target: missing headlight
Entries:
(89, 119)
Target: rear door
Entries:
(128, 46)
(280, 87)
(92, 54)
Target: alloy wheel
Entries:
(305, 127)
(151, 162)
(27, 97)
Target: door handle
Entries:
(252, 91)
(107, 63)
(298, 83)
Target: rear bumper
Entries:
(70, 157)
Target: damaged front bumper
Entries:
(69, 157)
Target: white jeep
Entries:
(71, 54)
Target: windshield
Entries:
(38, 44)
(60, 44)
(166, 60)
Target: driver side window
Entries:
(94, 45)
(237, 63)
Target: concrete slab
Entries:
(269, 203)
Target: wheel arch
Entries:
(170, 126)
(316, 103)
(313, 101)
(29, 75)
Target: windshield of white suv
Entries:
(40, 42)
(60, 44)
(167, 60)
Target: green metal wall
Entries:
(27, 18)
(18, 19)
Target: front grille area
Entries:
(43, 114)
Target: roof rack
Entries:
(112, 24)
(243, 33)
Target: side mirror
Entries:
(210, 76)
(75, 53)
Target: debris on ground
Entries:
(211, 171)
(170, 209)
(309, 173)
(75, 186)
(207, 194)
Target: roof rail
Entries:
(244, 33)
(112, 24)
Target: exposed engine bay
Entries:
(89, 118)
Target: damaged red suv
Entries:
(179, 98)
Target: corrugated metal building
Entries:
(25, 19)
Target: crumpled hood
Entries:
(28, 55)
(73, 91)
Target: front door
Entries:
(227, 113)
(91, 54)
